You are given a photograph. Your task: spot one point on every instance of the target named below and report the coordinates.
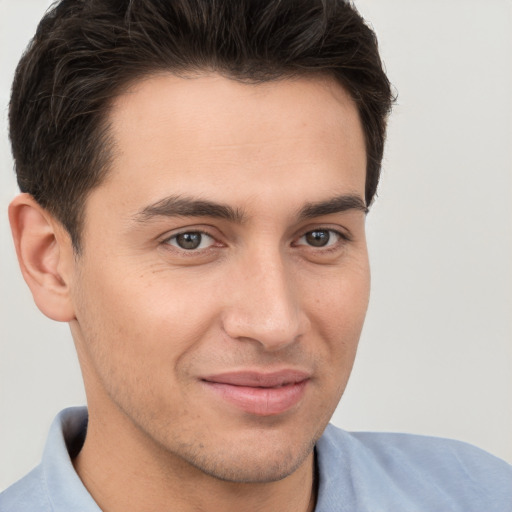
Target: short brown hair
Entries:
(85, 51)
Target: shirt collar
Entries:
(65, 489)
(67, 492)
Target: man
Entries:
(195, 180)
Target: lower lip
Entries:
(260, 401)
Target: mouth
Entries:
(259, 393)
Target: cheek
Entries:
(342, 298)
(136, 340)
(141, 320)
(338, 314)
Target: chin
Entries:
(241, 466)
(257, 457)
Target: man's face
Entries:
(224, 277)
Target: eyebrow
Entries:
(336, 204)
(179, 206)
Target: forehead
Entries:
(216, 137)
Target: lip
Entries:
(260, 393)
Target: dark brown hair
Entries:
(85, 51)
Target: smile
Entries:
(261, 394)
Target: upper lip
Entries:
(259, 379)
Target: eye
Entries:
(320, 238)
(191, 240)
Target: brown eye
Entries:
(191, 240)
(321, 238)
(318, 238)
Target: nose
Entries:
(263, 304)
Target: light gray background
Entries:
(436, 353)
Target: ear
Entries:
(45, 255)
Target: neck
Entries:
(124, 471)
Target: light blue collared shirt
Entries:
(358, 472)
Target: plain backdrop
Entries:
(435, 356)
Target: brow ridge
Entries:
(338, 204)
(180, 206)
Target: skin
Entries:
(150, 319)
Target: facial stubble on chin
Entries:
(284, 465)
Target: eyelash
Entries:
(340, 236)
(167, 240)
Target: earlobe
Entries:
(45, 256)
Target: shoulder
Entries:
(27, 494)
(54, 485)
(425, 473)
